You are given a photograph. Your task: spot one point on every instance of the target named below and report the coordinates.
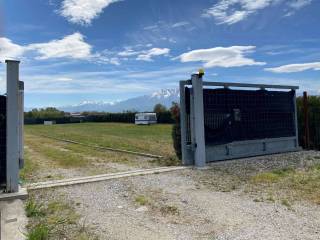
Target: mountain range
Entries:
(141, 103)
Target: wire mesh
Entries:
(238, 115)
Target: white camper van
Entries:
(145, 118)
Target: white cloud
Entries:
(147, 55)
(143, 55)
(9, 50)
(152, 27)
(296, 5)
(83, 11)
(233, 56)
(64, 79)
(128, 53)
(180, 24)
(72, 46)
(290, 68)
(233, 11)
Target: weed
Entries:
(286, 203)
(142, 200)
(168, 209)
(270, 198)
(316, 166)
(273, 176)
(267, 177)
(56, 218)
(29, 168)
(38, 232)
(283, 172)
(33, 209)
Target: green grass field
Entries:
(155, 139)
(46, 158)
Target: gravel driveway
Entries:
(179, 205)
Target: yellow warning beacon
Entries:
(201, 72)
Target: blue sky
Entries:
(107, 50)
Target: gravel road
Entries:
(178, 205)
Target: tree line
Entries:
(38, 116)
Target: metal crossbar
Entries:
(244, 85)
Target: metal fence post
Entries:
(187, 157)
(12, 126)
(21, 124)
(296, 119)
(199, 145)
(306, 121)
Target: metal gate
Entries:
(3, 139)
(236, 122)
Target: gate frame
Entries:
(195, 153)
(14, 126)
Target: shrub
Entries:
(176, 129)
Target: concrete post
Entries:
(199, 145)
(12, 125)
(187, 156)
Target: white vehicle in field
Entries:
(49, 122)
(145, 118)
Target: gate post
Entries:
(12, 155)
(306, 121)
(198, 115)
(187, 158)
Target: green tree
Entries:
(159, 108)
(176, 129)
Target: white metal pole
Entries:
(199, 145)
(12, 126)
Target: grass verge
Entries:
(54, 220)
(296, 184)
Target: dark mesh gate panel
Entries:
(238, 115)
(188, 120)
(3, 141)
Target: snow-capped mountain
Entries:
(140, 104)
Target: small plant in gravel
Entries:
(270, 198)
(33, 209)
(142, 200)
(273, 176)
(169, 209)
(38, 232)
(267, 177)
(54, 220)
(286, 203)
